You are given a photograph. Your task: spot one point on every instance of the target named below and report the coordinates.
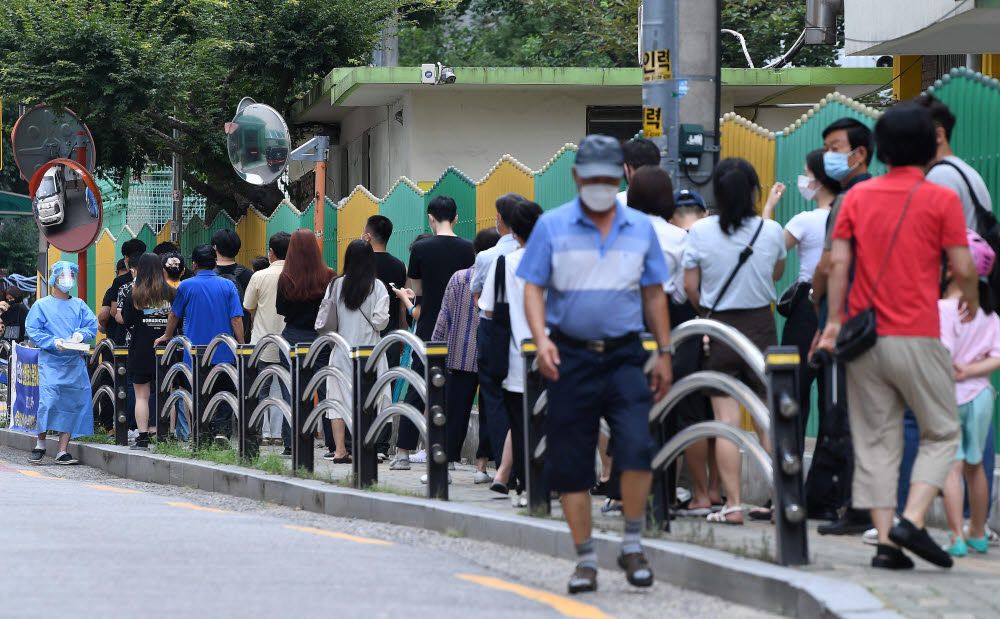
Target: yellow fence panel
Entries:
(252, 229)
(741, 138)
(508, 175)
(352, 217)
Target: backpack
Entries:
(241, 291)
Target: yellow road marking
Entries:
(36, 474)
(343, 536)
(199, 508)
(113, 489)
(564, 605)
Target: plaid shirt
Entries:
(458, 323)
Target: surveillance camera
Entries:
(447, 76)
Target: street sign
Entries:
(44, 134)
(67, 205)
(258, 143)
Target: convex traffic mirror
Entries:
(258, 143)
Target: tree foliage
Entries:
(770, 27)
(135, 70)
(18, 244)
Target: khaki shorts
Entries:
(900, 372)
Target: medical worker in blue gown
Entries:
(64, 388)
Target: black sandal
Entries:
(891, 558)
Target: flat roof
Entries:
(14, 204)
(345, 88)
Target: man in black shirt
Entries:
(132, 250)
(432, 263)
(392, 272)
(226, 244)
(106, 324)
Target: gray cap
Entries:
(600, 155)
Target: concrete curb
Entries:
(744, 581)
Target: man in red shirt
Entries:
(908, 365)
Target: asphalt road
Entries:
(76, 541)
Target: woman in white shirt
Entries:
(521, 221)
(362, 313)
(710, 260)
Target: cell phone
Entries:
(393, 286)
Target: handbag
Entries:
(327, 318)
(493, 353)
(860, 332)
(791, 297)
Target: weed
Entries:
(100, 435)
(391, 490)
(452, 532)
(271, 463)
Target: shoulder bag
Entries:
(860, 332)
(494, 351)
(327, 318)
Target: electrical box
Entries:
(692, 144)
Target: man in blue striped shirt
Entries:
(601, 267)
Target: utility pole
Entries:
(177, 178)
(681, 88)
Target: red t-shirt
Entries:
(907, 295)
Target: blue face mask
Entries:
(835, 165)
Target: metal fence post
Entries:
(249, 444)
(120, 356)
(435, 377)
(201, 431)
(302, 404)
(534, 430)
(365, 457)
(786, 446)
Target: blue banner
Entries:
(24, 389)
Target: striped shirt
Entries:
(458, 323)
(593, 283)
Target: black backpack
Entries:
(241, 291)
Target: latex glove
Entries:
(59, 344)
(77, 337)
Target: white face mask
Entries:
(599, 197)
(65, 284)
(804, 182)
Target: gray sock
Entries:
(585, 553)
(40, 444)
(632, 536)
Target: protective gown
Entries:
(64, 387)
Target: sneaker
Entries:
(382, 457)
(132, 435)
(287, 451)
(853, 522)
(420, 457)
(222, 442)
(451, 466)
(919, 542)
(36, 456)
(611, 507)
(481, 477)
(329, 455)
(140, 446)
(65, 458)
(518, 500)
(400, 463)
(423, 478)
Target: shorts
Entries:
(757, 325)
(593, 385)
(974, 417)
(140, 376)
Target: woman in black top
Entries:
(301, 288)
(14, 312)
(145, 310)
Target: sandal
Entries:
(720, 516)
(765, 512)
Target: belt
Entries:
(598, 346)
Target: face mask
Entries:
(65, 284)
(599, 197)
(804, 182)
(835, 165)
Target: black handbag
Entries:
(791, 297)
(860, 332)
(493, 352)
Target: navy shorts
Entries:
(593, 385)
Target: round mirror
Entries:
(45, 133)
(258, 143)
(67, 205)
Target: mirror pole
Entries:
(81, 280)
(319, 207)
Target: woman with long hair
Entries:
(301, 287)
(735, 292)
(362, 313)
(145, 311)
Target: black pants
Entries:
(799, 331)
(460, 394)
(408, 436)
(492, 409)
(514, 403)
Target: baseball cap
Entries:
(599, 155)
(686, 197)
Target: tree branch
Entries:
(171, 121)
(158, 136)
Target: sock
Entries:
(586, 554)
(143, 438)
(40, 444)
(60, 453)
(632, 535)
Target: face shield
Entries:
(63, 275)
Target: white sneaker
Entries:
(870, 536)
(481, 477)
(451, 466)
(518, 500)
(400, 463)
(419, 457)
(423, 478)
(133, 435)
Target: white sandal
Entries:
(720, 516)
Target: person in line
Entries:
(893, 230)
(174, 271)
(63, 383)
(736, 293)
(301, 285)
(521, 219)
(362, 303)
(689, 207)
(13, 316)
(392, 274)
(226, 244)
(132, 250)
(639, 153)
(105, 323)
(173, 268)
(145, 310)
(259, 264)
(209, 306)
(457, 324)
(602, 269)
(412, 312)
(492, 412)
(975, 354)
(260, 300)
(432, 263)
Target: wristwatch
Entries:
(663, 350)
(813, 299)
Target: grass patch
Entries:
(271, 463)
(453, 532)
(380, 487)
(100, 435)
